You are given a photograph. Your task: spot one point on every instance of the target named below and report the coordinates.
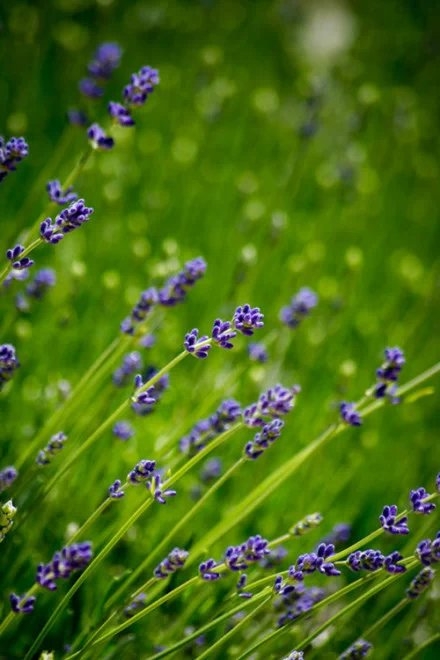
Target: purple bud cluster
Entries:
(69, 219)
(294, 599)
(315, 561)
(387, 375)
(8, 363)
(195, 344)
(373, 560)
(144, 402)
(136, 604)
(123, 430)
(349, 414)
(141, 85)
(417, 499)
(173, 292)
(428, 552)
(420, 583)
(131, 363)
(241, 584)
(99, 138)
(263, 439)
(356, 651)
(70, 559)
(57, 195)
(105, 60)
(300, 306)
(22, 604)
(172, 563)
(43, 280)
(389, 523)
(145, 472)
(17, 262)
(7, 477)
(53, 447)
(204, 431)
(236, 557)
(12, 152)
(274, 403)
(115, 491)
(257, 352)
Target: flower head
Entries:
(196, 345)
(428, 552)
(99, 139)
(69, 219)
(131, 363)
(90, 88)
(123, 430)
(53, 447)
(238, 557)
(387, 375)
(273, 403)
(22, 604)
(142, 471)
(141, 85)
(12, 152)
(68, 560)
(115, 491)
(17, 262)
(8, 363)
(7, 477)
(120, 114)
(207, 570)
(106, 59)
(263, 439)
(300, 306)
(349, 414)
(172, 563)
(257, 352)
(420, 583)
(417, 499)
(389, 523)
(315, 561)
(356, 651)
(43, 280)
(176, 287)
(57, 195)
(247, 319)
(204, 431)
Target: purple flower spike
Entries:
(71, 558)
(142, 84)
(416, 498)
(356, 651)
(257, 352)
(57, 195)
(142, 471)
(7, 477)
(349, 414)
(367, 560)
(222, 333)
(88, 87)
(315, 561)
(388, 521)
(172, 563)
(207, 572)
(123, 430)
(263, 439)
(106, 59)
(300, 306)
(120, 114)
(12, 152)
(388, 374)
(428, 552)
(420, 583)
(247, 319)
(69, 219)
(99, 139)
(192, 342)
(239, 557)
(114, 491)
(8, 363)
(155, 486)
(22, 604)
(43, 280)
(19, 264)
(390, 563)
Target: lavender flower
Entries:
(373, 560)
(388, 374)
(390, 563)
(238, 557)
(120, 114)
(142, 84)
(275, 402)
(315, 561)
(257, 352)
(247, 319)
(90, 88)
(142, 471)
(294, 655)
(12, 152)
(155, 486)
(77, 117)
(123, 430)
(204, 431)
(69, 219)
(241, 583)
(222, 333)
(176, 287)
(114, 491)
(263, 439)
(13, 255)
(8, 363)
(356, 651)
(300, 306)
(43, 280)
(57, 195)
(68, 560)
(295, 599)
(388, 521)
(207, 572)
(211, 470)
(146, 302)
(172, 563)
(143, 397)
(194, 345)
(53, 447)
(144, 403)
(22, 604)
(418, 505)
(106, 59)
(339, 534)
(99, 139)
(136, 604)
(7, 477)
(349, 414)
(428, 552)
(420, 583)
(7, 515)
(131, 363)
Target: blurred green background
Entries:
(290, 143)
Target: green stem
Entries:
(416, 653)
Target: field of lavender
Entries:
(219, 311)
